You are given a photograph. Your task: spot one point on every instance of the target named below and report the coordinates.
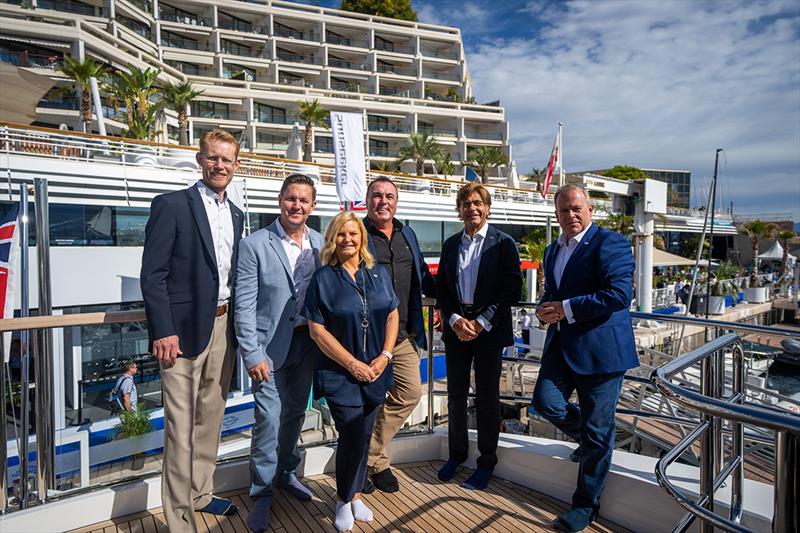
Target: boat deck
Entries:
(422, 505)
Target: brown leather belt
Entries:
(221, 310)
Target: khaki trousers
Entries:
(194, 391)
(403, 397)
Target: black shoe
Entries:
(575, 455)
(368, 487)
(385, 481)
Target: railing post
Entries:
(24, 346)
(786, 518)
(737, 437)
(707, 444)
(430, 368)
(45, 416)
(3, 441)
(719, 392)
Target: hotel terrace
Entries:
(254, 61)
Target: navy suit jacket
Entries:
(422, 282)
(498, 288)
(598, 282)
(179, 277)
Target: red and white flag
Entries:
(551, 165)
(9, 266)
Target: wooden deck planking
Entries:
(422, 505)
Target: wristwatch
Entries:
(388, 354)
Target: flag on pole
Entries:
(9, 266)
(348, 152)
(551, 166)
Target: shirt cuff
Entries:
(453, 318)
(484, 323)
(568, 312)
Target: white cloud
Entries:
(653, 84)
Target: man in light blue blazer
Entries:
(275, 266)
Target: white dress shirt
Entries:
(220, 220)
(566, 248)
(301, 261)
(469, 262)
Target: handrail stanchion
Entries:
(45, 409)
(786, 517)
(24, 347)
(3, 442)
(707, 441)
(737, 436)
(719, 392)
(430, 368)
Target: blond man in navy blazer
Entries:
(276, 264)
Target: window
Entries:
(323, 144)
(429, 235)
(270, 114)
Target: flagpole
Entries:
(560, 156)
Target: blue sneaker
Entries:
(220, 507)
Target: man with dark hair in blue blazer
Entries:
(589, 343)
(479, 279)
(394, 246)
(187, 280)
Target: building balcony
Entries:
(346, 41)
(183, 18)
(341, 63)
(144, 5)
(391, 47)
(290, 33)
(238, 50)
(175, 42)
(439, 132)
(441, 75)
(400, 71)
(71, 6)
(266, 118)
(440, 54)
(387, 128)
(136, 27)
(219, 115)
(298, 58)
(486, 135)
(391, 91)
(242, 25)
(441, 97)
(348, 87)
(24, 59)
(279, 146)
(381, 152)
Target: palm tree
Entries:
(421, 147)
(784, 236)
(312, 114)
(137, 90)
(177, 97)
(445, 164)
(619, 222)
(81, 72)
(143, 127)
(532, 249)
(756, 230)
(485, 159)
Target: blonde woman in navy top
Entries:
(352, 316)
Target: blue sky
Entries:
(657, 84)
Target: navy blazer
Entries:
(598, 282)
(423, 282)
(179, 277)
(498, 288)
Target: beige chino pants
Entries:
(403, 397)
(195, 391)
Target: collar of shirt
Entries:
(480, 233)
(562, 240)
(285, 236)
(210, 196)
(372, 229)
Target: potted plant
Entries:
(716, 300)
(133, 424)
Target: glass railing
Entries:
(391, 91)
(219, 115)
(441, 54)
(440, 75)
(393, 69)
(489, 135)
(381, 152)
(239, 25)
(24, 59)
(272, 146)
(441, 97)
(274, 119)
(68, 6)
(183, 18)
(341, 63)
(295, 34)
(444, 132)
(144, 5)
(346, 41)
(348, 87)
(392, 128)
(298, 58)
(391, 47)
(135, 27)
(236, 50)
(186, 44)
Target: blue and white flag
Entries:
(348, 152)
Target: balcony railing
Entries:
(346, 41)
(341, 63)
(381, 152)
(391, 91)
(439, 132)
(24, 59)
(348, 87)
(271, 146)
(440, 75)
(186, 44)
(391, 47)
(441, 54)
(274, 119)
(135, 27)
(295, 34)
(68, 6)
(393, 69)
(489, 135)
(144, 5)
(241, 25)
(392, 128)
(236, 50)
(219, 115)
(183, 18)
(298, 58)
(441, 97)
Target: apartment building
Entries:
(256, 60)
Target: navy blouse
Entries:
(337, 302)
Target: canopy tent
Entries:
(775, 253)
(662, 258)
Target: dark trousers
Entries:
(590, 422)
(354, 425)
(459, 357)
(526, 339)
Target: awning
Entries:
(775, 253)
(217, 100)
(51, 44)
(662, 258)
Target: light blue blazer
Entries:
(265, 297)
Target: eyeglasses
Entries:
(215, 159)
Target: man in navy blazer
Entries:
(478, 281)
(275, 267)
(187, 277)
(394, 246)
(589, 343)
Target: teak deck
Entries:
(422, 505)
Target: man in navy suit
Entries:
(589, 343)
(188, 270)
(275, 267)
(479, 279)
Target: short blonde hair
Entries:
(328, 253)
(218, 135)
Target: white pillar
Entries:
(531, 281)
(644, 223)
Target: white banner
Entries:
(348, 150)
